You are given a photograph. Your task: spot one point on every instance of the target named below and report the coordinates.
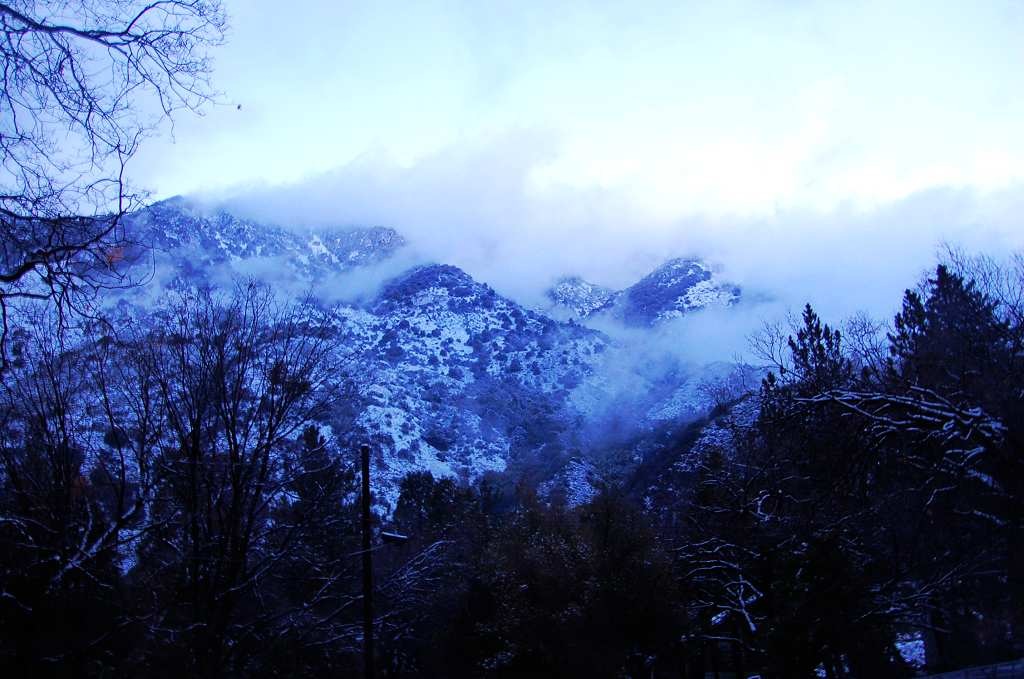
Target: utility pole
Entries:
(368, 670)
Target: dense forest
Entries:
(183, 487)
(174, 503)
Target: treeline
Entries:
(880, 493)
(878, 496)
(168, 506)
(173, 504)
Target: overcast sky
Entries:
(662, 119)
(686, 106)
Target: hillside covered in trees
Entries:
(178, 499)
(286, 427)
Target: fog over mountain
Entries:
(476, 206)
(512, 339)
(446, 374)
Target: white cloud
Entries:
(724, 108)
(477, 206)
(816, 151)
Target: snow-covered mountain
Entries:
(454, 378)
(579, 297)
(677, 287)
(450, 376)
(196, 243)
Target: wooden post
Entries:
(368, 669)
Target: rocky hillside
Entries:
(677, 287)
(198, 243)
(449, 376)
(454, 378)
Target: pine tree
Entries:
(952, 341)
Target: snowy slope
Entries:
(449, 376)
(197, 244)
(456, 379)
(578, 297)
(677, 287)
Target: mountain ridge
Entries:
(448, 375)
(679, 286)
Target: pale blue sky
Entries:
(678, 108)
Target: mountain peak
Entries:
(679, 286)
(194, 239)
(455, 281)
(579, 296)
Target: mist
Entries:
(482, 206)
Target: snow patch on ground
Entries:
(577, 483)
(721, 434)
(911, 649)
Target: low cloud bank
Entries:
(483, 207)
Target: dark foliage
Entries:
(172, 505)
(84, 81)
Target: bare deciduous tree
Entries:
(83, 82)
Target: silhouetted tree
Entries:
(83, 83)
(237, 380)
